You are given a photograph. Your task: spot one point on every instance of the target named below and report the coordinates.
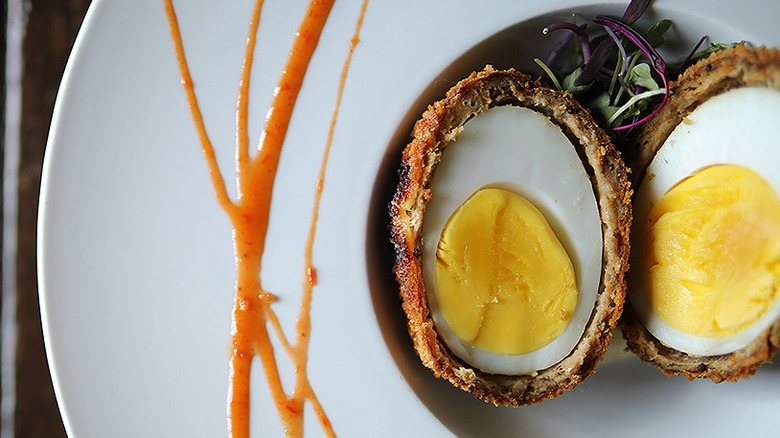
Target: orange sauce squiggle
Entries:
(249, 214)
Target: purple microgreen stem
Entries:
(621, 49)
(579, 31)
(690, 55)
(615, 38)
(635, 37)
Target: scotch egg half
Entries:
(705, 259)
(510, 227)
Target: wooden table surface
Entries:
(51, 28)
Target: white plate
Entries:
(136, 267)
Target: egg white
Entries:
(520, 150)
(741, 127)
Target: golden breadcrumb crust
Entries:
(437, 128)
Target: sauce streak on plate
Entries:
(249, 213)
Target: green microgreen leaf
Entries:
(569, 83)
(601, 105)
(655, 34)
(642, 75)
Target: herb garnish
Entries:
(618, 73)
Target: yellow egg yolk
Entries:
(711, 258)
(504, 283)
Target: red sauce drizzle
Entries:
(249, 213)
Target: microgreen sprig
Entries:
(623, 95)
(615, 27)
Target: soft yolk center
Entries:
(712, 259)
(504, 282)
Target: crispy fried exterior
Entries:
(437, 128)
(720, 72)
